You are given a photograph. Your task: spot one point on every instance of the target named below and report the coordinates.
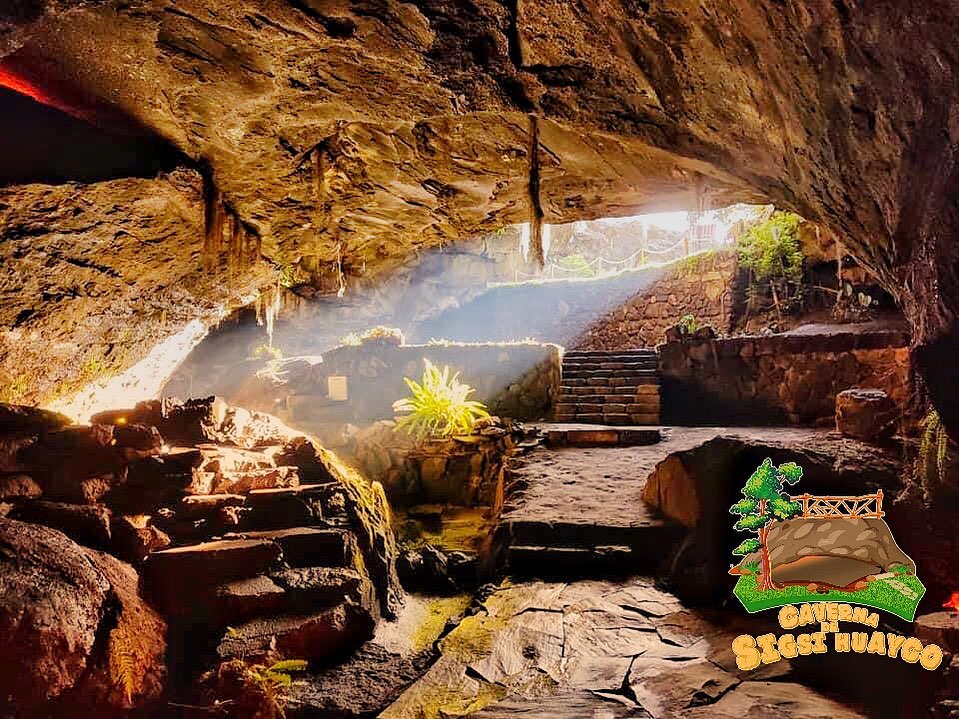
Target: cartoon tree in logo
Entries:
(764, 502)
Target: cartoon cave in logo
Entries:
(811, 548)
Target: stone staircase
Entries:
(613, 388)
(267, 560)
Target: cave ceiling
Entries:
(366, 129)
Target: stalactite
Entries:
(535, 207)
(214, 216)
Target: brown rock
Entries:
(85, 524)
(134, 537)
(18, 486)
(21, 419)
(239, 482)
(314, 637)
(52, 600)
(867, 414)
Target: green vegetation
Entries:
(880, 594)
(933, 456)
(380, 333)
(763, 502)
(576, 266)
(688, 325)
(438, 406)
(266, 351)
(772, 254)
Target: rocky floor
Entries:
(573, 511)
(601, 649)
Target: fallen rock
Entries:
(866, 414)
(87, 524)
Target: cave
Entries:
(479, 359)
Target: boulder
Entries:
(239, 482)
(135, 441)
(73, 624)
(21, 419)
(18, 486)
(866, 414)
(87, 524)
(130, 674)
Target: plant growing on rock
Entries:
(251, 691)
(764, 502)
(380, 333)
(687, 325)
(438, 406)
(772, 253)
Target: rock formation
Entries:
(346, 137)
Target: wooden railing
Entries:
(822, 507)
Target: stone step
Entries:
(651, 418)
(283, 591)
(648, 352)
(551, 562)
(645, 364)
(589, 373)
(317, 636)
(651, 388)
(601, 436)
(309, 546)
(645, 401)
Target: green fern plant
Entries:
(273, 679)
(438, 406)
(688, 325)
(933, 450)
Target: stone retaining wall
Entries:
(781, 379)
(704, 286)
(514, 380)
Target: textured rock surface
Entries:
(76, 628)
(376, 129)
(101, 274)
(600, 649)
(866, 414)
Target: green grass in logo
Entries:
(897, 595)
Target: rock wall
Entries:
(780, 379)
(461, 471)
(103, 273)
(549, 311)
(705, 286)
(517, 380)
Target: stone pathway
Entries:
(603, 650)
(572, 509)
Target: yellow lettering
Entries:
(787, 646)
(768, 644)
(832, 612)
(804, 644)
(842, 642)
(859, 642)
(805, 614)
(894, 642)
(877, 643)
(819, 643)
(860, 615)
(845, 613)
(911, 649)
(747, 657)
(931, 657)
(788, 617)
